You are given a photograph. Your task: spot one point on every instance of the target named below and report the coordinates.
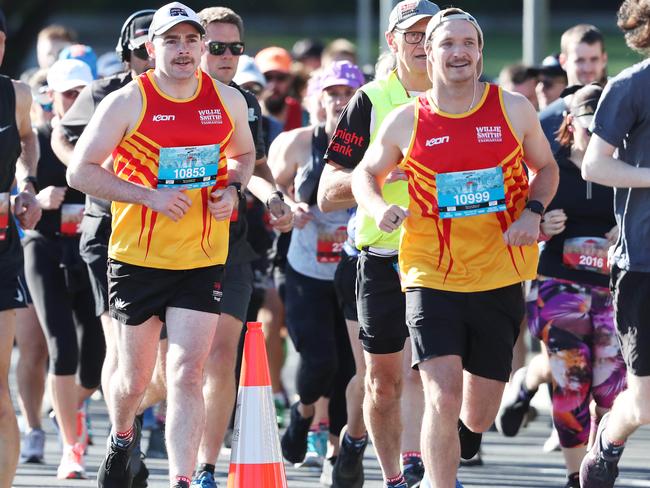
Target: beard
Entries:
(274, 104)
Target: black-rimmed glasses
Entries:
(411, 37)
(217, 48)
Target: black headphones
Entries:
(122, 48)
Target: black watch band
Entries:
(277, 193)
(32, 180)
(237, 186)
(536, 206)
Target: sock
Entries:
(525, 395)
(573, 478)
(411, 457)
(124, 439)
(357, 443)
(395, 481)
(612, 450)
(206, 467)
(182, 482)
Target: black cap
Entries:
(550, 67)
(139, 30)
(584, 103)
(307, 48)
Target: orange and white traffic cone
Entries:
(256, 459)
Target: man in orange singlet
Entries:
(470, 231)
(181, 151)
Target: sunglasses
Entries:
(276, 76)
(217, 48)
(140, 53)
(411, 37)
(73, 94)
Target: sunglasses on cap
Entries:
(140, 53)
(217, 48)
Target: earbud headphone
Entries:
(122, 48)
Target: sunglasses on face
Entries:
(140, 53)
(217, 48)
(411, 37)
(73, 94)
(276, 76)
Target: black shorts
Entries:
(380, 304)
(237, 286)
(137, 293)
(480, 327)
(345, 283)
(14, 292)
(93, 247)
(630, 290)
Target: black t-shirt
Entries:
(352, 135)
(77, 117)
(586, 217)
(51, 172)
(10, 249)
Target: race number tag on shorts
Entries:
(587, 254)
(71, 216)
(188, 167)
(330, 244)
(466, 193)
(4, 215)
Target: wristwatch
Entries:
(276, 193)
(535, 206)
(237, 186)
(32, 180)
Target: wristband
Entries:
(277, 193)
(32, 180)
(237, 186)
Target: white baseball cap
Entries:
(66, 74)
(173, 14)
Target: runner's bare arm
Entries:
(600, 166)
(61, 146)
(544, 173)
(285, 154)
(26, 208)
(115, 116)
(382, 157)
(335, 188)
(241, 149)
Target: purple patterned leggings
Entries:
(576, 323)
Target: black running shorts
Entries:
(380, 304)
(480, 327)
(137, 293)
(93, 247)
(630, 290)
(345, 283)
(13, 292)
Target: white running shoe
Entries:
(72, 463)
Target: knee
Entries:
(445, 400)
(640, 408)
(186, 374)
(478, 421)
(383, 386)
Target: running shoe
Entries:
(514, 407)
(33, 447)
(470, 442)
(326, 474)
(475, 460)
(596, 471)
(71, 466)
(157, 449)
(115, 470)
(313, 457)
(427, 484)
(348, 469)
(413, 470)
(204, 480)
(553, 442)
(294, 439)
(573, 481)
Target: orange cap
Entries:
(274, 59)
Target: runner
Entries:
(314, 320)
(462, 258)
(178, 143)
(18, 157)
(224, 30)
(621, 123)
(391, 410)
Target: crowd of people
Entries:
(405, 229)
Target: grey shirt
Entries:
(623, 120)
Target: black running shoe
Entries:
(115, 470)
(413, 471)
(294, 440)
(157, 449)
(348, 469)
(596, 471)
(470, 442)
(514, 409)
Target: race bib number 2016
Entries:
(467, 193)
(188, 167)
(587, 254)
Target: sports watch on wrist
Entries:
(276, 193)
(535, 206)
(237, 186)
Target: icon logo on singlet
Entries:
(119, 304)
(434, 141)
(489, 133)
(163, 118)
(19, 296)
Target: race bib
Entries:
(5, 208)
(71, 217)
(188, 167)
(587, 254)
(467, 193)
(330, 245)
